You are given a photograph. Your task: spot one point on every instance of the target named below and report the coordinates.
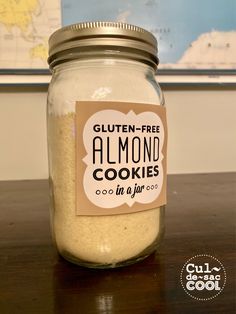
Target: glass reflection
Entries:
(104, 304)
(131, 289)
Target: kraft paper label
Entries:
(120, 157)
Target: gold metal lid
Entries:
(99, 38)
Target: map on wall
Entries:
(191, 34)
(25, 26)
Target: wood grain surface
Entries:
(200, 219)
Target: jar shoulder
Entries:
(109, 84)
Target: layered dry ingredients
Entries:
(114, 64)
(105, 240)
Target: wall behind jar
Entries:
(202, 131)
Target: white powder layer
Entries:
(95, 239)
(109, 83)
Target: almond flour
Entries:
(96, 239)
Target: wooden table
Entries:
(200, 219)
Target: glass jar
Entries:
(106, 140)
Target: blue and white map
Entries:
(191, 34)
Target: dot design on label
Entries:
(152, 187)
(104, 192)
(181, 276)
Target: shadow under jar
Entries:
(107, 140)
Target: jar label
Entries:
(120, 157)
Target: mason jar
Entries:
(107, 138)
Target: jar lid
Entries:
(99, 38)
